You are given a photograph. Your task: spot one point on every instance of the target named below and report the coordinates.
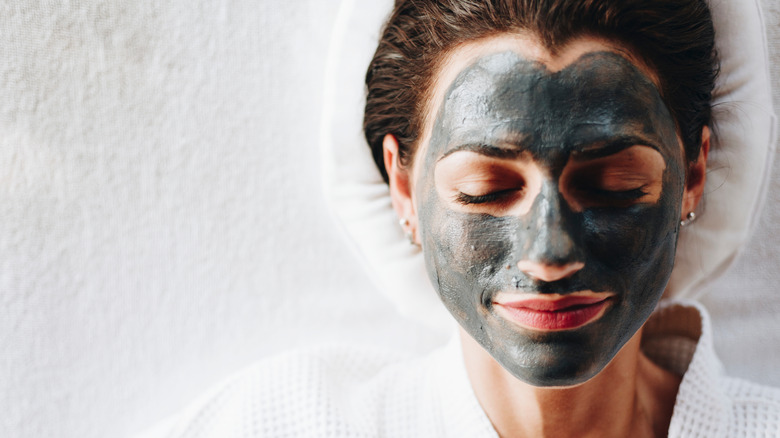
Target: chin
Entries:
(556, 359)
(555, 375)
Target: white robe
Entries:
(357, 392)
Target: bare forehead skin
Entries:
(524, 45)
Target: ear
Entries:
(399, 179)
(697, 176)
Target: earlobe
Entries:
(399, 179)
(696, 176)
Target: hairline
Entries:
(432, 98)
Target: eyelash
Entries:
(465, 199)
(623, 195)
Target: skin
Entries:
(538, 174)
(622, 244)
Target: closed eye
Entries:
(496, 196)
(622, 194)
(477, 183)
(618, 197)
(631, 176)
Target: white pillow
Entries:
(738, 167)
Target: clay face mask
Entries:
(578, 170)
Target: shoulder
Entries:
(709, 403)
(324, 391)
(755, 408)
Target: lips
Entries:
(554, 312)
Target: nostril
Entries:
(548, 272)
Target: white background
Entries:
(161, 215)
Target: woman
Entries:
(541, 170)
(544, 155)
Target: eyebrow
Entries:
(585, 151)
(598, 149)
(485, 149)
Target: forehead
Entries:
(511, 89)
(504, 98)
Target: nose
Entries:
(547, 272)
(550, 251)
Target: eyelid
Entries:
(632, 175)
(617, 179)
(475, 183)
(493, 157)
(465, 167)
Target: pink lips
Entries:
(555, 312)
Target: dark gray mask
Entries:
(502, 105)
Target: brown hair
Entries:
(675, 38)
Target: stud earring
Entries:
(689, 218)
(407, 230)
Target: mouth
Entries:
(553, 312)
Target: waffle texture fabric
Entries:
(358, 392)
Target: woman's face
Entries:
(547, 193)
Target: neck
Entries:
(630, 397)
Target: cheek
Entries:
(619, 238)
(635, 245)
(466, 252)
